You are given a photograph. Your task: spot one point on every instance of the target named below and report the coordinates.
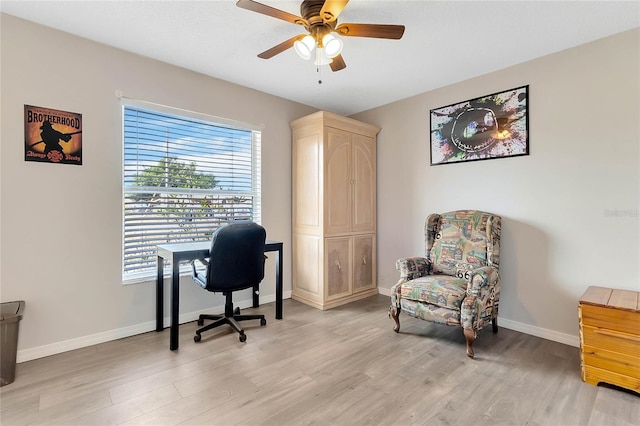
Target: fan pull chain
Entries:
(319, 75)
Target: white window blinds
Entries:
(183, 178)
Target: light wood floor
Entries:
(344, 366)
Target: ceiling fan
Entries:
(320, 20)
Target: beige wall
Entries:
(561, 231)
(60, 224)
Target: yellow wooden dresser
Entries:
(610, 337)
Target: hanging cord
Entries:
(318, 67)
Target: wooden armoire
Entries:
(334, 210)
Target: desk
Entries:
(182, 252)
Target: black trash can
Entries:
(10, 316)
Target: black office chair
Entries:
(236, 262)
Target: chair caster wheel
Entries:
(197, 338)
(243, 337)
(236, 311)
(263, 321)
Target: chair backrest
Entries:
(462, 240)
(237, 256)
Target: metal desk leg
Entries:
(175, 303)
(160, 295)
(279, 284)
(256, 296)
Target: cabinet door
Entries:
(364, 184)
(307, 170)
(307, 267)
(338, 271)
(364, 266)
(338, 182)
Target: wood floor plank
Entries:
(132, 408)
(174, 413)
(619, 407)
(344, 366)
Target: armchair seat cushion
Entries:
(440, 290)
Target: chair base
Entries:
(470, 335)
(231, 317)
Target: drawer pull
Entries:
(617, 334)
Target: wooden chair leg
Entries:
(470, 335)
(393, 313)
(494, 324)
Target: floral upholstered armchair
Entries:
(457, 283)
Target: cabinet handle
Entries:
(364, 260)
(617, 334)
(338, 266)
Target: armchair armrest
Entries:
(486, 276)
(410, 268)
(480, 305)
(413, 267)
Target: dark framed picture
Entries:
(492, 126)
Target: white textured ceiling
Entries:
(444, 41)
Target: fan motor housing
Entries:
(311, 8)
(317, 26)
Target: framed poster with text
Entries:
(52, 136)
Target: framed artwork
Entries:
(492, 126)
(52, 136)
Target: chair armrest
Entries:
(486, 276)
(480, 304)
(200, 279)
(410, 268)
(413, 267)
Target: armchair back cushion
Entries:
(462, 240)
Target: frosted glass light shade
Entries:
(332, 45)
(304, 47)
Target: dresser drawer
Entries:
(615, 341)
(611, 319)
(595, 375)
(612, 361)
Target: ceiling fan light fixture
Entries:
(304, 47)
(332, 45)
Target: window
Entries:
(185, 174)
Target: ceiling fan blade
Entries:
(331, 9)
(371, 30)
(337, 64)
(254, 6)
(270, 53)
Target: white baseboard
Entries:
(107, 336)
(544, 333)
(82, 342)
